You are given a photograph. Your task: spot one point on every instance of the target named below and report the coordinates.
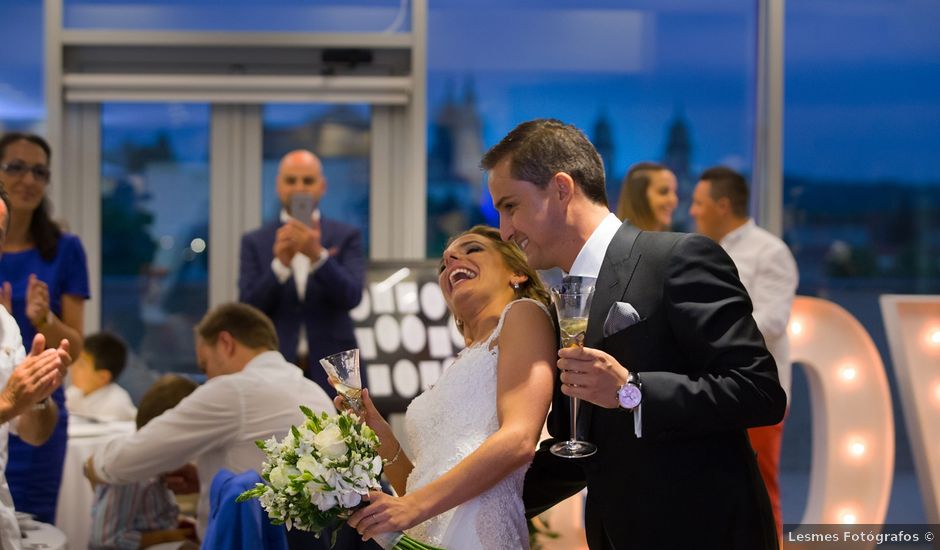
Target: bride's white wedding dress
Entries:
(447, 423)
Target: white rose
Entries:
(267, 498)
(330, 442)
(324, 500)
(307, 464)
(278, 477)
(348, 499)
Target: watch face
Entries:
(630, 396)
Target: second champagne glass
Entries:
(343, 370)
(572, 300)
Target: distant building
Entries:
(603, 138)
(341, 131)
(677, 155)
(456, 198)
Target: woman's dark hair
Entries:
(44, 232)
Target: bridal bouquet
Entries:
(317, 475)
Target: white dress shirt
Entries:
(769, 274)
(11, 355)
(588, 264)
(591, 257)
(216, 427)
(301, 268)
(108, 403)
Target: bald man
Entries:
(305, 274)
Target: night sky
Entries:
(862, 76)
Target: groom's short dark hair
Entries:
(540, 148)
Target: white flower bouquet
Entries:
(318, 474)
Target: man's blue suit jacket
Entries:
(332, 290)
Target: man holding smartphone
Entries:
(303, 270)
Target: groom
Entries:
(670, 335)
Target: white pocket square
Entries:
(620, 316)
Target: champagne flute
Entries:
(572, 300)
(343, 370)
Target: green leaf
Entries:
(256, 492)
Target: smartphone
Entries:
(302, 206)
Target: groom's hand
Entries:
(591, 375)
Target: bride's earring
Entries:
(515, 286)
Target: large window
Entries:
(21, 94)
(154, 228)
(668, 83)
(240, 15)
(862, 178)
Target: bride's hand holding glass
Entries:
(372, 418)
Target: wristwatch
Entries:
(631, 393)
(42, 405)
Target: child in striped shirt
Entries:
(138, 515)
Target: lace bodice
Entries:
(446, 424)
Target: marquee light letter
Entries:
(913, 327)
(853, 426)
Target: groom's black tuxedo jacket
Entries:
(691, 480)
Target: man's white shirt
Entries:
(591, 257)
(769, 274)
(216, 427)
(12, 354)
(109, 403)
(301, 268)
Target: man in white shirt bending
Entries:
(252, 393)
(769, 274)
(94, 393)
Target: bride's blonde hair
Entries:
(515, 261)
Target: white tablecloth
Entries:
(73, 515)
(42, 536)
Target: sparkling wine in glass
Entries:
(343, 370)
(572, 331)
(572, 300)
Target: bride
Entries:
(474, 433)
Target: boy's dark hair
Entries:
(108, 352)
(162, 396)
